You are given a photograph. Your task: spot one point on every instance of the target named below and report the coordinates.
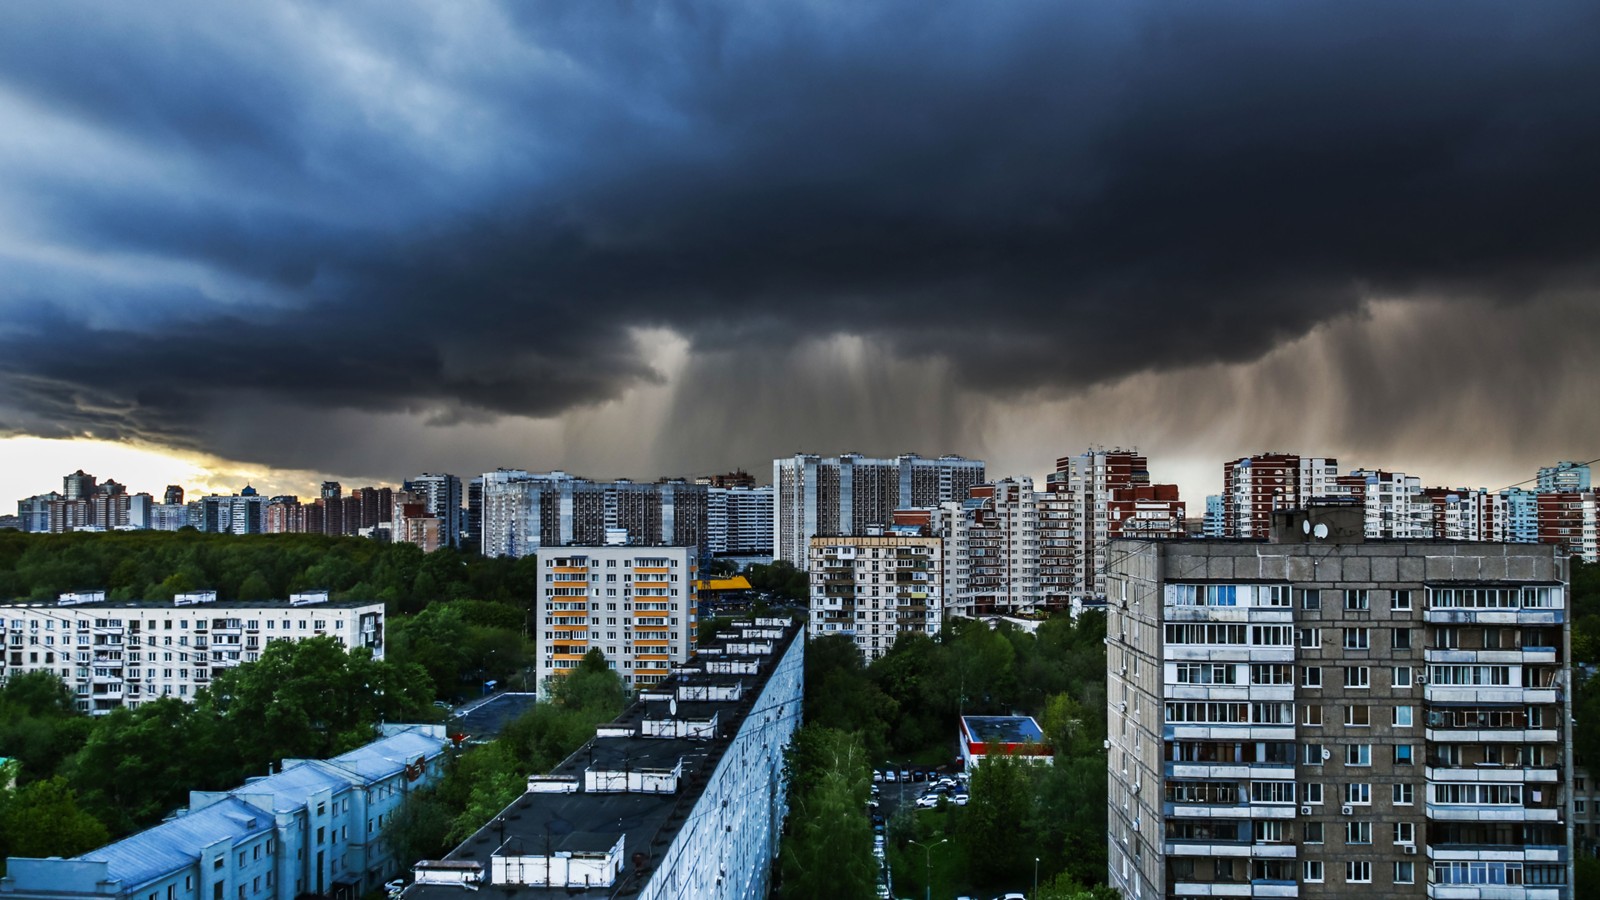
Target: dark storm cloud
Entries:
(462, 213)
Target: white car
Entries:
(928, 802)
(959, 799)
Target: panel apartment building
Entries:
(873, 587)
(850, 494)
(637, 605)
(1319, 715)
(116, 654)
(1108, 494)
(682, 796)
(519, 512)
(315, 827)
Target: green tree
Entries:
(999, 824)
(44, 819)
(827, 852)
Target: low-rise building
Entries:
(121, 653)
(983, 737)
(314, 827)
(681, 796)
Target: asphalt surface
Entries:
(485, 718)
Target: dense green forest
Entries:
(155, 565)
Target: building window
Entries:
(1401, 600)
(1358, 754)
(1358, 794)
(1313, 871)
(1402, 754)
(1311, 638)
(1402, 716)
(1402, 638)
(1357, 677)
(1313, 831)
(1310, 599)
(1313, 754)
(1405, 872)
(1401, 676)
(1357, 638)
(1358, 832)
(1404, 794)
(1356, 599)
(1311, 676)
(1358, 716)
(1311, 714)
(1312, 792)
(1405, 832)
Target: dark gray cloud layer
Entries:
(460, 212)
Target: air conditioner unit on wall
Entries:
(1305, 810)
(1411, 850)
(1346, 810)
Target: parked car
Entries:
(928, 801)
(959, 799)
(905, 774)
(877, 777)
(889, 776)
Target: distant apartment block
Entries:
(739, 521)
(522, 512)
(315, 828)
(1320, 715)
(991, 550)
(1256, 486)
(440, 496)
(850, 494)
(682, 796)
(1567, 520)
(116, 654)
(1564, 478)
(1112, 496)
(635, 604)
(874, 587)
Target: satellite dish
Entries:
(1305, 526)
(1321, 531)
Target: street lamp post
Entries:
(927, 862)
(1035, 894)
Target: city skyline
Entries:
(349, 242)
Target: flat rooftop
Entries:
(168, 604)
(536, 823)
(1003, 729)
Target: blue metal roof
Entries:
(174, 845)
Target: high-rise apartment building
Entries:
(1320, 715)
(874, 587)
(739, 521)
(440, 495)
(1057, 551)
(1215, 523)
(851, 494)
(1563, 478)
(992, 550)
(635, 604)
(1567, 520)
(115, 654)
(1112, 496)
(524, 511)
(172, 495)
(1256, 486)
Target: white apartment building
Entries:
(440, 494)
(1395, 506)
(992, 550)
(873, 587)
(115, 654)
(851, 494)
(739, 521)
(1318, 716)
(637, 605)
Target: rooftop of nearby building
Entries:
(563, 816)
(736, 583)
(1003, 729)
(228, 816)
(210, 604)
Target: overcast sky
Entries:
(371, 239)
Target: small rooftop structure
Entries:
(1018, 736)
